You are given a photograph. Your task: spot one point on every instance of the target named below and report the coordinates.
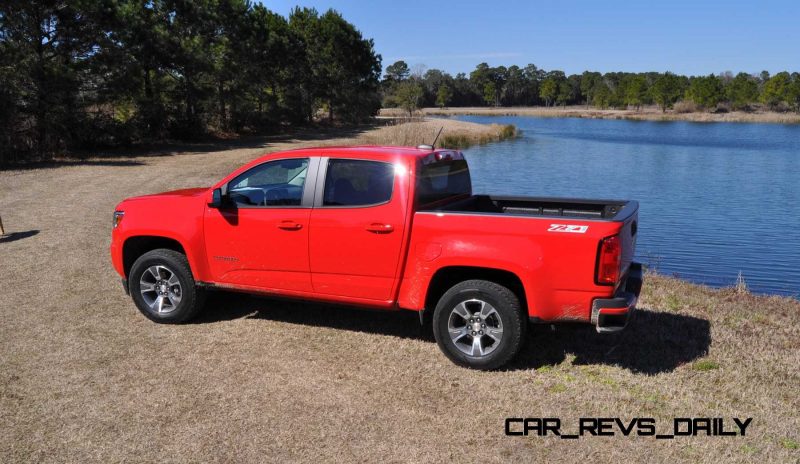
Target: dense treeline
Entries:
(83, 73)
(529, 86)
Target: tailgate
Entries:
(627, 235)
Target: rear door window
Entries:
(358, 183)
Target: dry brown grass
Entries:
(455, 134)
(645, 114)
(685, 106)
(85, 378)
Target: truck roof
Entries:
(369, 150)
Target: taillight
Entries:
(609, 260)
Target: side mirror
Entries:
(216, 198)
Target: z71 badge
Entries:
(568, 228)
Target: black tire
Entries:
(191, 297)
(507, 307)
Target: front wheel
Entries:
(479, 324)
(163, 288)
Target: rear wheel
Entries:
(479, 324)
(163, 288)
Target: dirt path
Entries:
(84, 377)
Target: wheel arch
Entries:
(136, 246)
(446, 277)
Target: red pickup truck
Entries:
(393, 228)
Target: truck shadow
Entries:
(654, 342)
(223, 306)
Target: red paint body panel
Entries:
(174, 215)
(340, 254)
(355, 251)
(556, 270)
(248, 247)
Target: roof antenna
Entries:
(433, 145)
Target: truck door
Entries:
(357, 227)
(259, 238)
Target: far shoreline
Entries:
(650, 113)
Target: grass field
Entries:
(85, 378)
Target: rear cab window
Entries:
(441, 177)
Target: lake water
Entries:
(715, 199)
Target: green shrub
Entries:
(508, 131)
(455, 141)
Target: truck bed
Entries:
(611, 210)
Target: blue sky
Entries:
(686, 37)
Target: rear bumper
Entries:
(611, 315)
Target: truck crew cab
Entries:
(392, 228)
